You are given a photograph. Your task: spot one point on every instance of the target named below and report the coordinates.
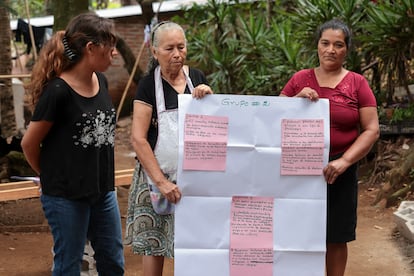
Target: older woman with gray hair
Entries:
(154, 136)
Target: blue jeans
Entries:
(73, 222)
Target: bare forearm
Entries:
(32, 155)
(32, 140)
(361, 147)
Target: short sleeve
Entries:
(366, 97)
(145, 91)
(197, 77)
(289, 90)
(53, 97)
(299, 80)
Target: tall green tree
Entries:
(7, 115)
(128, 2)
(63, 11)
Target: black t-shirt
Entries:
(77, 155)
(146, 93)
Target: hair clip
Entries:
(156, 28)
(68, 52)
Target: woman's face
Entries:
(332, 49)
(171, 51)
(104, 55)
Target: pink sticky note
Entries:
(205, 142)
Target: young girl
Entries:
(70, 144)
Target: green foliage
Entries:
(389, 39)
(309, 14)
(238, 50)
(291, 51)
(403, 114)
(411, 173)
(4, 5)
(244, 52)
(103, 4)
(254, 47)
(36, 8)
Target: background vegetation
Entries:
(254, 47)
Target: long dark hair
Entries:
(65, 49)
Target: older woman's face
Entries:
(171, 51)
(332, 49)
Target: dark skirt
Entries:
(342, 201)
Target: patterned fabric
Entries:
(147, 232)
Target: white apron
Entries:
(166, 148)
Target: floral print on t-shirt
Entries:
(96, 129)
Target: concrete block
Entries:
(404, 218)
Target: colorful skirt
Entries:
(147, 232)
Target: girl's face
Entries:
(104, 55)
(332, 49)
(171, 51)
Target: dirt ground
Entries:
(379, 248)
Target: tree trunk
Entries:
(63, 12)
(147, 11)
(125, 51)
(129, 58)
(7, 116)
(128, 2)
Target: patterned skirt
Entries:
(147, 232)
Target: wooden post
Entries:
(31, 31)
(121, 103)
(134, 69)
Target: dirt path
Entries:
(377, 251)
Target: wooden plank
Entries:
(15, 185)
(122, 180)
(127, 171)
(19, 193)
(16, 191)
(15, 76)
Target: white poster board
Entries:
(251, 128)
